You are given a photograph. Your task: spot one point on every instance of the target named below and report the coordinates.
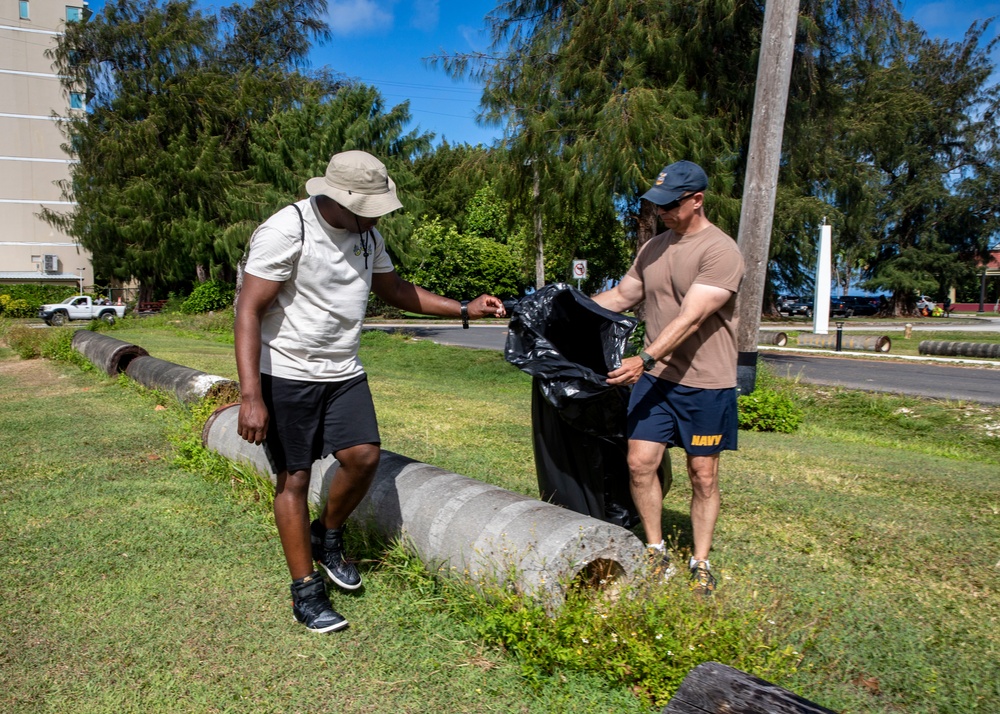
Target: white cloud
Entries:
(352, 17)
(474, 38)
(426, 14)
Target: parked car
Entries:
(926, 302)
(861, 305)
(840, 308)
(797, 306)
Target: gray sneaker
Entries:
(660, 564)
(702, 580)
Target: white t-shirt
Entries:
(312, 330)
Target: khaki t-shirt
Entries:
(668, 265)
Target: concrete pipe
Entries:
(871, 343)
(189, 385)
(959, 349)
(464, 527)
(110, 355)
(779, 339)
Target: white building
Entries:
(31, 155)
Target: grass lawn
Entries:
(870, 539)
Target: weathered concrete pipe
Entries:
(189, 385)
(959, 349)
(464, 527)
(110, 355)
(772, 338)
(871, 343)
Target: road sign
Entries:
(579, 269)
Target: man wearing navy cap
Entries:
(685, 378)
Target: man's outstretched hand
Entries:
(486, 306)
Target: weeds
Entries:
(645, 636)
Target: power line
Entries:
(379, 82)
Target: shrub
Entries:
(26, 341)
(16, 307)
(59, 347)
(765, 409)
(24, 300)
(210, 295)
(464, 266)
(379, 308)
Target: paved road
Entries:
(916, 377)
(924, 379)
(934, 324)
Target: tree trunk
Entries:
(645, 230)
(201, 273)
(536, 194)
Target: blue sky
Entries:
(384, 43)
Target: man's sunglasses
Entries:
(676, 204)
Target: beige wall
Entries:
(31, 156)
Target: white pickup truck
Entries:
(80, 307)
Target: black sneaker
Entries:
(702, 580)
(311, 606)
(328, 551)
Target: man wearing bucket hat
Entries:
(310, 268)
(685, 378)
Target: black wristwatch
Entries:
(465, 314)
(648, 361)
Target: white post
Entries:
(821, 306)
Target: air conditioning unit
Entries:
(50, 263)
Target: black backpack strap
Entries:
(246, 254)
(302, 221)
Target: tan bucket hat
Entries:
(359, 182)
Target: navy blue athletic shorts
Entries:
(310, 420)
(701, 421)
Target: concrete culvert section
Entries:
(464, 527)
(779, 339)
(108, 354)
(869, 343)
(189, 385)
(959, 349)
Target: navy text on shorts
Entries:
(700, 421)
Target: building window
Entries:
(74, 14)
(76, 101)
(23, 10)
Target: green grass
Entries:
(858, 558)
(131, 585)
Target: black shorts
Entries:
(310, 420)
(701, 421)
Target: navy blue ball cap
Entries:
(676, 180)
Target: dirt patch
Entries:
(38, 376)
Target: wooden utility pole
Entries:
(774, 72)
(536, 195)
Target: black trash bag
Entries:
(569, 343)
